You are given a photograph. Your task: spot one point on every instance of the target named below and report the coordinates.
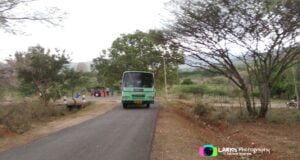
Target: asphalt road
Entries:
(117, 135)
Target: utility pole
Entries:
(165, 77)
(164, 52)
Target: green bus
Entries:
(137, 88)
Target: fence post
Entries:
(83, 98)
(65, 100)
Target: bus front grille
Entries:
(138, 90)
(138, 96)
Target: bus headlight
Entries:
(150, 97)
(125, 97)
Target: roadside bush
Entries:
(194, 89)
(230, 115)
(200, 109)
(275, 118)
(187, 81)
(40, 112)
(18, 118)
(283, 116)
(222, 115)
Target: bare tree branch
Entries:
(265, 31)
(12, 14)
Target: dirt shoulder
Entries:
(179, 135)
(41, 129)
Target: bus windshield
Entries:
(138, 79)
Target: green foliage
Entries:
(27, 89)
(218, 91)
(284, 87)
(138, 51)
(91, 80)
(73, 80)
(204, 89)
(197, 73)
(218, 80)
(39, 71)
(187, 81)
(194, 89)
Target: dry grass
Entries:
(224, 126)
(45, 126)
(18, 116)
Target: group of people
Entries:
(101, 92)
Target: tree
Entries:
(139, 51)
(104, 68)
(15, 12)
(38, 68)
(220, 34)
(72, 81)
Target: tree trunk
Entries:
(251, 89)
(74, 100)
(248, 101)
(265, 94)
(296, 88)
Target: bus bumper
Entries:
(137, 102)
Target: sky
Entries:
(89, 26)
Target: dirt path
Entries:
(39, 130)
(179, 135)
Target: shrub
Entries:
(275, 118)
(200, 109)
(222, 115)
(18, 118)
(187, 81)
(38, 111)
(194, 89)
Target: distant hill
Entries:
(84, 66)
(3, 65)
(186, 68)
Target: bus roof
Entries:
(137, 72)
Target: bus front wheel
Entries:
(125, 106)
(148, 106)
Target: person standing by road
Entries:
(107, 91)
